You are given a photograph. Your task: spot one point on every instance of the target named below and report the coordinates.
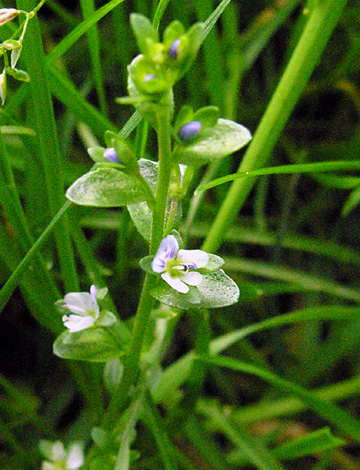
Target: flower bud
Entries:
(189, 131)
(111, 155)
(174, 49)
(7, 15)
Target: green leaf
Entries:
(351, 202)
(208, 116)
(333, 413)
(254, 450)
(106, 319)
(101, 438)
(282, 170)
(316, 441)
(143, 30)
(214, 264)
(20, 75)
(218, 290)
(169, 296)
(106, 187)
(113, 373)
(215, 290)
(174, 31)
(140, 213)
(145, 264)
(92, 344)
(224, 138)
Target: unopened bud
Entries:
(189, 131)
(174, 49)
(111, 155)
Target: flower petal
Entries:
(77, 323)
(79, 302)
(176, 283)
(166, 252)
(192, 278)
(93, 291)
(198, 258)
(57, 451)
(75, 458)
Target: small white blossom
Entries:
(178, 267)
(82, 308)
(60, 459)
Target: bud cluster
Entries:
(161, 64)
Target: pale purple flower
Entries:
(82, 308)
(178, 267)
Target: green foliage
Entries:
(163, 379)
(106, 187)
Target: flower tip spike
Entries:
(111, 156)
(189, 131)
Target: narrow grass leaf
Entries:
(334, 414)
(283, 169)
(317, 441)
(253, 449)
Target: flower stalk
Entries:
(132, 363)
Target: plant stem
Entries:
(321, 23)
(132, 362)
(165, 164)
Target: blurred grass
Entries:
(315, 236)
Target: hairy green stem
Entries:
(321, 23)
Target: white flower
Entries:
(82, 308)
(178, 267)
(59, 459)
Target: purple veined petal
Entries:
(192, 278)
(199, 258)
(79, 302)
(93, 291)
(166, 252)
(76, 323)
(176, 283)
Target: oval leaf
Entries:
(225, 138)
(169, 296)
(106, 187)
(215, 290)
(140, 213)
(93, 344)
